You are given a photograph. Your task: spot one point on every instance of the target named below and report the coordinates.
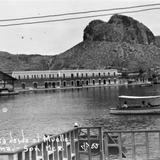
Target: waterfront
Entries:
(56, 111)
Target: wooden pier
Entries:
(92, 143)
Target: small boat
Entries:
(137, 105)
(7, 92)
(147, 84)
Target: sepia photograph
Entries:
(80, 80)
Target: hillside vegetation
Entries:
(102, 54)
(10, 62)
(122, 42)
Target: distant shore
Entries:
(80, 87)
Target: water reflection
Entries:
(57, 111)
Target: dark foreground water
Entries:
(57, 111)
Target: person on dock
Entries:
(76, 125)
(149, 104)
(125, 105)
(143, 104)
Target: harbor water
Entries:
(42, 112)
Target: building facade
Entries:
(65, 78)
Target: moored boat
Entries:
(137, 105)
(7, 92)
(147, 84)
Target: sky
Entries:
(56, 37)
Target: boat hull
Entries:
(133, 111)
(9, 93)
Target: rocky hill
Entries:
(119, 29)
(157, 41)
(122, 42)
(102, 54)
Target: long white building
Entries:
(64, 78)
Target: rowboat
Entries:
(137, 105)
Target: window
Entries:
(114, 74)
(57, 75)
(19, 77)
(72, 75)
(77, 74)
(63, 75)
(82, 74)
(41, 75)
(108, 74)
(86, 75)
(99, 74)
(27, 76)
(93, 74)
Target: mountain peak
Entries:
(119, 28)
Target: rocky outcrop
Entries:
(119, 29)
(157, 41)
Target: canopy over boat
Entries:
(137, 105)
(138, 97)
(141, 101)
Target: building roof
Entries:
(139, 97)
(6, 77)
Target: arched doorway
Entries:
(23, 86)
(46, 85)
(53, 84)
(64, 83)
(87, 82)
(72, 83)
(77, 83)
(109, 81)
(99, 81)
(35, 85)
(93, 81)
(104, 81)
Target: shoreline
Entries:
(73, 88)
